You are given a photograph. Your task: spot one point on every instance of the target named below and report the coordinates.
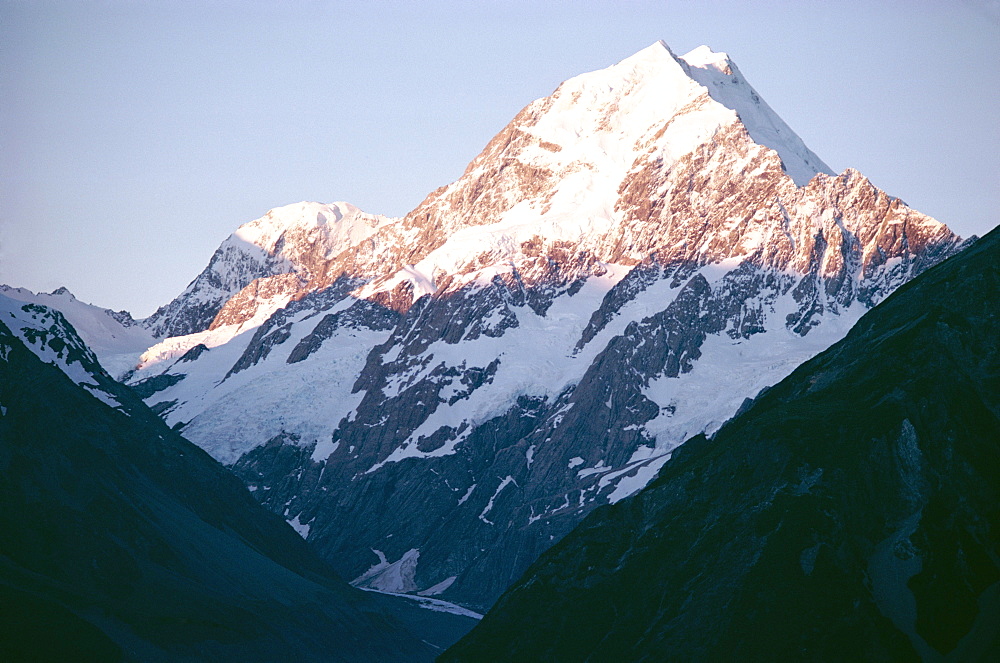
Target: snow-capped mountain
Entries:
(433, 400)
(46, 332)
(113, 336)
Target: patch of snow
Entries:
(395, 577)
(100, 394)
(437, 605)
(439, 588)
(532, 517)
(467, 494)
(301, 528)
(636, 479)
(323, 450)
(489, 505)
(596, 469)
(642, 453)
(422, 284)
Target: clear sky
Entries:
(136, 135)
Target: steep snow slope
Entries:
(621, 267)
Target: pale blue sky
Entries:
(135, 136)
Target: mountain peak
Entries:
(657, 58)
(640, 95)
(658, 49)
(306, 215)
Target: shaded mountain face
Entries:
(851, 513)
(433, 400)
(120, 540)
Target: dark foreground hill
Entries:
(852, 512)
(120, 540)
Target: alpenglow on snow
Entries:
(433, 400)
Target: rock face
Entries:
(120, 540)
(442, 396)
(850, 513)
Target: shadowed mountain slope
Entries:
(850, 513)
(120, 540)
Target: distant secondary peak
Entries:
(62, 290)
(305, 215)
(722, 79)
(703, 57)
